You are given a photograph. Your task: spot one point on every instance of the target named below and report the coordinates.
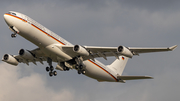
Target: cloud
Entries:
(14, 86)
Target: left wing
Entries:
(25, 56)
(33, 56)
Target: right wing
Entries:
(105, 52)
(138, 50)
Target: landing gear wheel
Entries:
(67, 68)
(80, 66)
(13, 35)
(83, 71)
(55, 73)
(79, 71)
(64, 68)
(50, 74)
(51, 68)
(47, 69)
(76, 67)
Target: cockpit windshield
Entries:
(12, 13)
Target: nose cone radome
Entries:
(7, 19)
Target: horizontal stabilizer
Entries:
(133, 77)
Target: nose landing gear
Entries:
(13, 35)
(15, 30)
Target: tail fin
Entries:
(119, 64)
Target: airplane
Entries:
(53, 48)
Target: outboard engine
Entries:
(125, 51)
(10, 60)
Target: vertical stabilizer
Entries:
(119, 64)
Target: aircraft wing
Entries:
(138, 50)
(94, 52)
(34, 56)
(87, 52)
(112, 51)
(135, 50)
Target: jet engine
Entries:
(125, 51)
(10, 59)
(80, 50)
(26, 54)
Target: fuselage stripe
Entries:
(103, 70)
(37, 28)
(47, 34)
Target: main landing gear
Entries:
(80, 69)
(80, 66)
(51, 68)
(51, 72)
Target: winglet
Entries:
(173, 47)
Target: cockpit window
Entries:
(12, 13)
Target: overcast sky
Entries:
(138, 23)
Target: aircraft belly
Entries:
(98, 73)
(56, 52)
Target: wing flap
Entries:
(133, 77)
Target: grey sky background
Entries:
(139, 23)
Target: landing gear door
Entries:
(14, 29)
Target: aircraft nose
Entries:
(7, 19)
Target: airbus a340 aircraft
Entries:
(53, 48)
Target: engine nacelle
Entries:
(25, 54)
(80, 50)
(125, 51)
(10, 60)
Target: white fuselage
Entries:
(46, 40)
